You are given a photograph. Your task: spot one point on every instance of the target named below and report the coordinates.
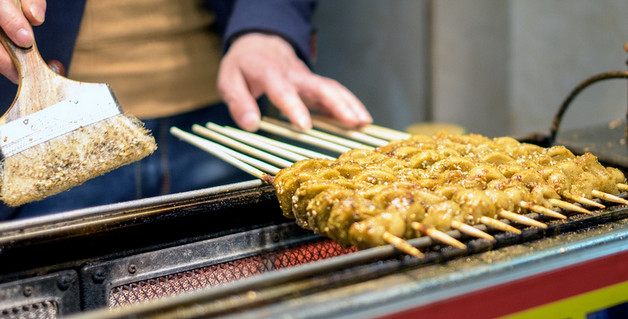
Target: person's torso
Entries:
(158, 56)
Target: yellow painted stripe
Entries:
(578, 306)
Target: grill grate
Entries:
(214, 275)
(40, 310)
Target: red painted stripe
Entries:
(526, 293)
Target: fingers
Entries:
(257, 64)
(35, 11)
(283, 95)
(248, 70)
(234, 91)
(362, 114)
(16, 23)
(333, 99)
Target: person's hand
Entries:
(16, 23)
(259, 64)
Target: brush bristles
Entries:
(71, 159)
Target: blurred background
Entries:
(494, 67)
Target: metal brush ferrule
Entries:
(93, 105)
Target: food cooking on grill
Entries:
(420, 185)
(366, 197)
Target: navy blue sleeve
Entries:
(222, 9)
(290, 19)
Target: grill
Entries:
(106, 262)
(211, 276)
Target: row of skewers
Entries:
(314, 203)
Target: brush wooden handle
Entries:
(39, 86)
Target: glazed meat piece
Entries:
(441, 215)
(540, 194)
(309, 190)
(474, 203)
(369, 232)
(288, 180)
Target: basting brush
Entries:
(59, 133)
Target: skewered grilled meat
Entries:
(432, 181)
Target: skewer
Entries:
(302, 137)
(320, 135)
(609, 197)
(262, 139)
(371, 129)
(402, 245)
(622, 187)
(524, 220)
(263, 146)
(349, 133)
(583, 200)
(240, 146)
(438, 235)
(541, 210)
(499, 225)
(252, 161)
(470, 230)
(218, 151)
(568, 206)
(383, 132)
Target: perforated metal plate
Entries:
(39, 310)
(46, 296)
(217, 274)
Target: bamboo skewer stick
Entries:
(524, 220)
(438, 235)
(240, 146)
(622, 187)
(353, 134)
(402, 245)
(583, 200)
(263, 146)
(302, 137)
(318, 134)
(262, 139)
(215, 149)
(609, 197)
(371, 129)
(499, 225)
(568, 206)
(385, 133)
(541, 210)
(252, 161)
(470, 230)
